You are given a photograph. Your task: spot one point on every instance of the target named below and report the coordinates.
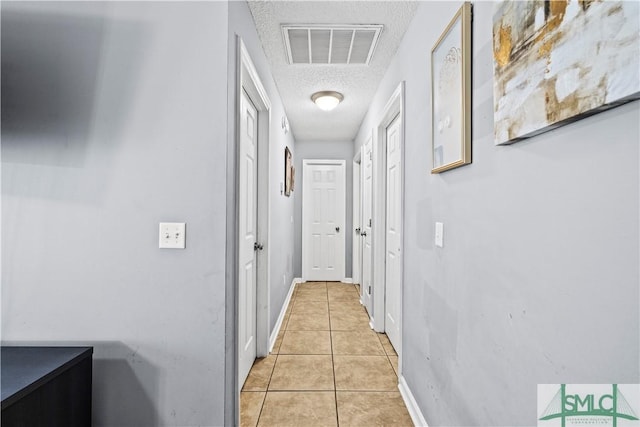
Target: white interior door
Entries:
(393, 234)
(365, 233)
(323, 220)
(356, 265)
(248, 165)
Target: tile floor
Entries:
(327, 367)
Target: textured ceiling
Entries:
(357, 83)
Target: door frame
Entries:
(356, 222)
(249, 81)
(394, 108)
(310, 162)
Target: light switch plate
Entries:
(439, 234)
(172, 235)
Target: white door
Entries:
(393, 234)
(323, 220)
(356, 265)
(247, 237)
(365, 233)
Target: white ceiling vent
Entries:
(330, 44)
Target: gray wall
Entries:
(116, 116)
(112, 122)
(332, 150)
(538, 278)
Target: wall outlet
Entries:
(172, 235)
(439, 234)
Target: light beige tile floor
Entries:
(327, 367)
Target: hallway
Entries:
(327, 366)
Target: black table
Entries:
(46, 386)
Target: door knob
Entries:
(363, 233)
(257, 246)
(338, 229)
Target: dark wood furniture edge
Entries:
(10, 400)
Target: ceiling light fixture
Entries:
(327, 100)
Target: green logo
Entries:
(585, 405)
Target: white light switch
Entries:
(439, 234)
(172, 235)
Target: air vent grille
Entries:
(330, 44)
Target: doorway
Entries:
(366, 236)
(356, 265)
(393, 234)
(252, 141)
(388, 205)
(248, 244)
(323, 220)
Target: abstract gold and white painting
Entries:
(559, 61)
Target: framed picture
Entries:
(451, 94)
(288, 172)
(293, 178)
(558, 62)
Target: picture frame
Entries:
(288, 172)
(451, 94)
(293, 178)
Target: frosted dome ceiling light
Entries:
(327, 100)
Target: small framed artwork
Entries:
(451, 94)
(288, 172)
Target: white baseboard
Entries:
(412, 405)
(283, 310)
(347, 280)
